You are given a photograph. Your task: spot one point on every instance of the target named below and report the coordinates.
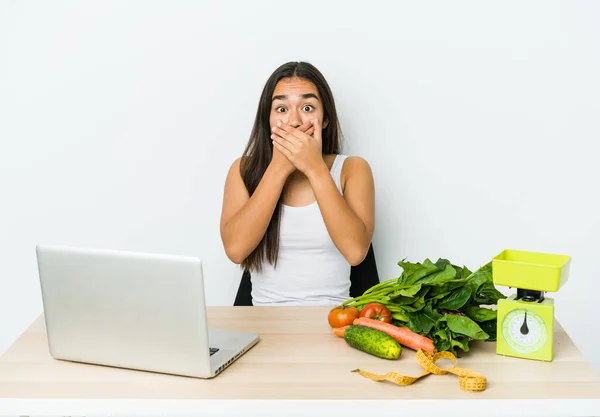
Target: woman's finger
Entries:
(281, 133)
(290, 133)
(305, 126)
(283, 150)
(283, 143)
(317, 125)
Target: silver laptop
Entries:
(133, 310)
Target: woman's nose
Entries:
(294, 118)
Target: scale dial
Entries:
(524, 331)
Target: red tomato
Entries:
(376, 311)
(341, 316)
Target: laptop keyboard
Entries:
(213, 351)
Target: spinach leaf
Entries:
(416, 274)
(419, 296)
(431, 316)
(423, 321)
(440, 296)
(460, 342)
(441, 345)
(465, 326)
(416, 305)
(490, 328)
(441, 334)
(440, 277)
(479, 277)
(480, 314)
(443, 290)
(408, 267)
(410, 291)
(456, 300)
(413, 323)
(488, 294)
(462, 273)
(403, 301)
(442, 263)
(442, 337)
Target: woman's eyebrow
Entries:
(303, 96)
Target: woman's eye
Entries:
(308, 108)
(280, 109)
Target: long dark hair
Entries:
(259, 151)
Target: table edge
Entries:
(249, 408)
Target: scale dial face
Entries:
(524, 331)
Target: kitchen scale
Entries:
(526, 319)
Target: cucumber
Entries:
(372, 341)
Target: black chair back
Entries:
(362, 277)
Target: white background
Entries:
(119, 121)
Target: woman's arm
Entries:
(350, 219)
(244, 219)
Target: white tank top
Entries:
(310, 269)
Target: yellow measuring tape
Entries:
(469, 380)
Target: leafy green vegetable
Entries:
(488, 294)
(441, 301)
(456, 299)
(480, 314)
(440, 277)
(422, 321)
(480, 277)
(462, 273)
(460, 342)
(442, 291)
(416, 273)
(490, 328)
(465, 326)
(410, 291)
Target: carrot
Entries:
(339, 331)
(402, 335)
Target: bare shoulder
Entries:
(235, 194)
(356, 164)
(236, 164)
(235, 168)
(356, 167)
(234, 176)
